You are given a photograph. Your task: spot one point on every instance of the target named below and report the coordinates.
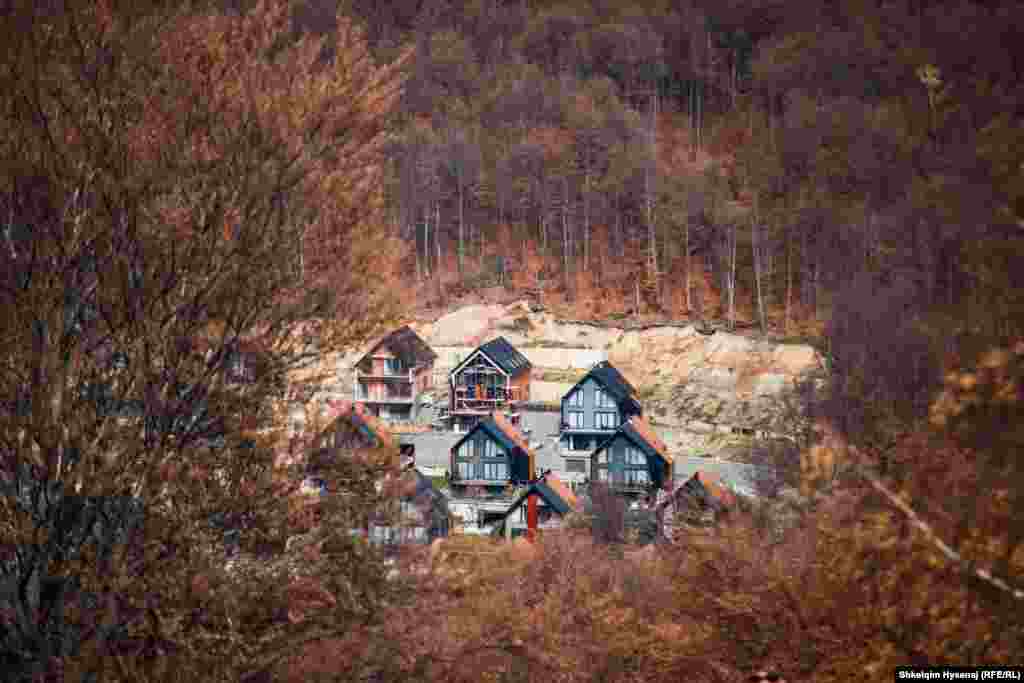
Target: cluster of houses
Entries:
(492, 480)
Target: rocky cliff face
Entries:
(691, 383)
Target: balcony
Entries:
(391, 375)
(482, 400)
(385, 397)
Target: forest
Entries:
(183, 180)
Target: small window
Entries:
(495, 471)
(575, 399)
(606, 420)
(575, 419)
(491, 449)
(602, 474)
(467, 470)
(602, 399)
(635, 457)
(636, 477)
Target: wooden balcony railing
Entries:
(485, 399)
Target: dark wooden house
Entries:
(389, 378)
(415, 511)
(495, 377)
(591, 412)
(491, 456)
(555, 501)
(633, 461)
(699, 501)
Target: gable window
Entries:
(575, 399)
(491, 450)
(634, 456)
(603, 399)
(394, 366)
(606, 420)
(575, 419)
(467, 470)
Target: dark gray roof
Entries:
(407, 345)
(613, 382)
(506, 356)
(547, 494)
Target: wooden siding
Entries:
(474, 446)
(590, 410)
(618, 468)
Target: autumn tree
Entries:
(177, 184)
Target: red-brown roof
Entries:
(515, 436)
(357, 413)
(646, 432)
(562, 489)
(715, 488)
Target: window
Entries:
(602, 458)
(491, 450)
(575, 419)
(393, 366)
(602, 474)
(602, 399)
(497, 471)
(635, 456)
(606, 420)
(575, 399)
(636, 477)
(467, 470)
(466, 449)
(579, 466)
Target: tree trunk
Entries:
(686, 244)
(586, 216)
(732, 282)
(565, 232)
(462, 229)
(755, 241)
(636, 297)
(652, 262)
(789, 279)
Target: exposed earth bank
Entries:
(694, 385)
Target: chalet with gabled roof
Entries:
(633, 461)
(495, 377)
(389, 377)
(493, 455)
(699, 501)
(591, 412)
(415, 511)
(555, 501)
(352, 429)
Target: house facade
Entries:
(495, 377)
(390, 377)
(492, 455)
(417, 513)
(699, 501)
(555, 500)
(633, 461)
(591, 412)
